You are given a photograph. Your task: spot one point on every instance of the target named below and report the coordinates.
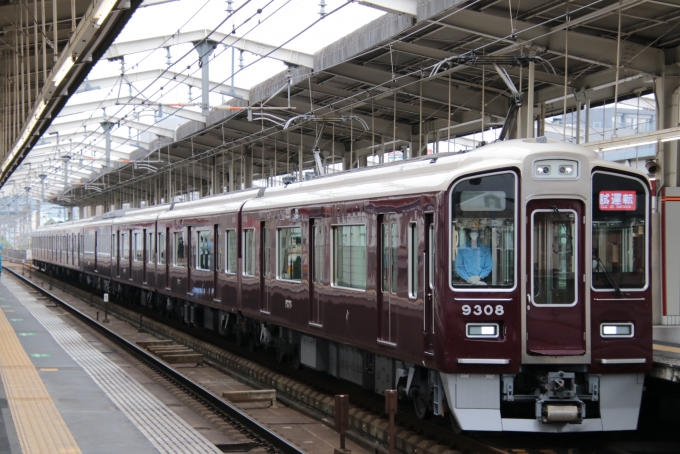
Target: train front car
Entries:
(547, 310)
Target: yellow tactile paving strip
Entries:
(666, 348)
(40, 427)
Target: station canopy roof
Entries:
(350, 79)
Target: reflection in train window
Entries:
(249, 252)
(553, 265)
(413, 241)
(318, 250)
(180, 249)
(619, 254)
(231, 251)
(150, 247)
(483, 232)
(124, 246)
(219, 252)
(349, 256)
(204, 251)
(161, 248)
(289, 254)
(138, 250)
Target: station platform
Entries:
(666, 353)
(61, 394)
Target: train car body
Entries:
(508, 288)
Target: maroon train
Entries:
(507, 288)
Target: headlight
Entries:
(617, 330)
(556, 169)
(482, 330)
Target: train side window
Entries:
(138, 250)
(385, 281)
(231, 247)
(114, 246)
(204, 251)
(219, 252)
(390, 246)
(249, 252)
(482, 235)
(413, 260)
(318, 249)
(395, 246)
(180, 249)
(161, 248)
(431, 257)
(349, 256)
(289, 253)
(124, 246)
(150, 257)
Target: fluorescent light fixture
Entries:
(670, 139)
(62, 71)
(629, 145)
(102, 11)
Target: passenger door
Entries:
(555, 308)
(428, 284)
(316, 261)
(217, 262)
(389, 236)
(265, 255)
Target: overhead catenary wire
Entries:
(298, 34)
(395, 107)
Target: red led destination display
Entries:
(617, 200)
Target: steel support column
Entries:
(205, 48)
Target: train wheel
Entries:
(421, 408)
(297, 363)
(280, 354)
(239, 335)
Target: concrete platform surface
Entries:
(666, 353)
(69, 396)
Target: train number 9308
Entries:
(486, 310)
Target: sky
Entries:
(278, 22)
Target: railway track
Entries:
(252, 429)
(367, 402)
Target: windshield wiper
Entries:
(610, 279)
(567, 230)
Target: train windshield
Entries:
(619, 232)
(483, 232)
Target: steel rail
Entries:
(205, 396)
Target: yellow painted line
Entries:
(48, 369)
(666, 348)
(39, 425)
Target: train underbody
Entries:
(555, 398)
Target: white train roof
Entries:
(210, 206)
(432, 173)
(418, 176)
